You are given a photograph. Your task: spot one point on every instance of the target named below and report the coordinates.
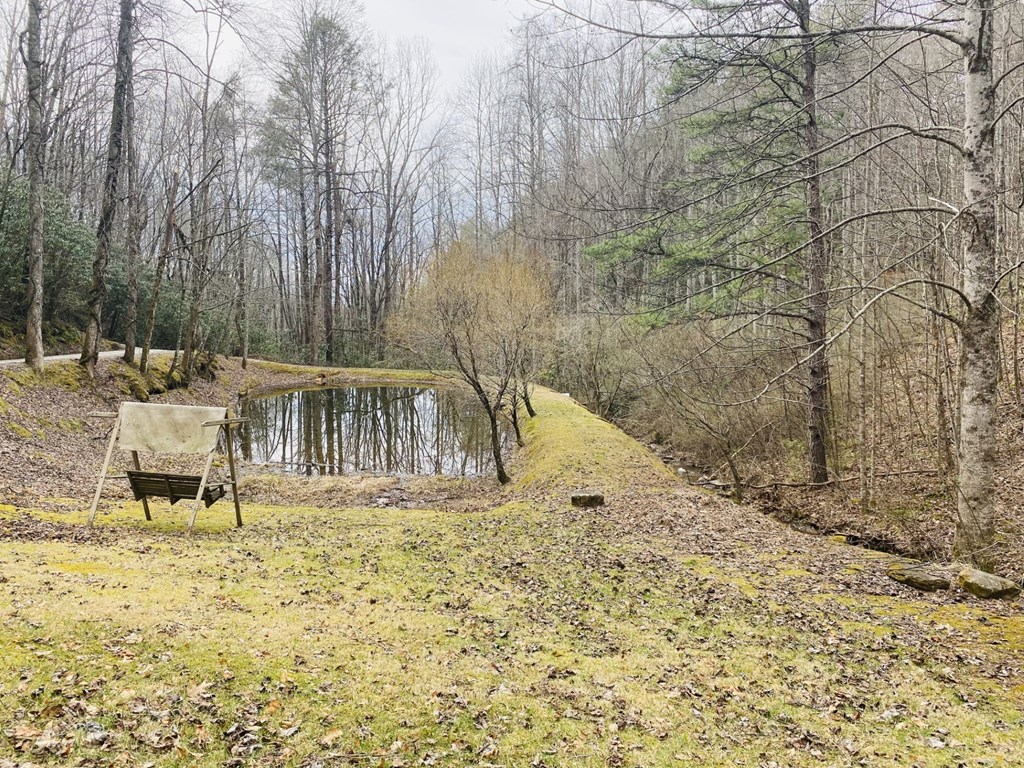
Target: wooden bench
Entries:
(158, 428)
(173, 487)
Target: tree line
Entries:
(284, 210)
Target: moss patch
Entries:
(414, 635)
(64, 375)
(568, 447)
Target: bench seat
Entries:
(173, 487)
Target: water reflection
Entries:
(379, 430)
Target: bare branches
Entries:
(939, 26)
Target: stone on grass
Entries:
(983, 584)
(587, 499)
(919, 576)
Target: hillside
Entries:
(458, 623)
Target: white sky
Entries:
(457, 30)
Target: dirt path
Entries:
(113, 354)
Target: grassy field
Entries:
(492, 627)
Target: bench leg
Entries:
(234, 478)
(145, 499)
(199, 496)
(103, 472)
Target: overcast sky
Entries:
(457, 30)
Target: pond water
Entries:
(373, 430)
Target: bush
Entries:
(596, 361)
(68, 246)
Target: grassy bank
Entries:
(667, 628)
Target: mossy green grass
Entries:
(522, 632)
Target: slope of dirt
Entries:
(909, 504)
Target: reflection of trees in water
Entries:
(383, 430)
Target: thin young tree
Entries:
(166, 242)
(484, 311)
(35, 158)
(136, 220)
(109, 203)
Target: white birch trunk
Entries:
(980, 348)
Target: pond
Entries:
(371, 430)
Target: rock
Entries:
(588, 499)
(983, 584)
(919, 576)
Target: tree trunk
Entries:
(329, 221)
(737, 479)
(108, 207)
(241, 316)
(499, 462)
(34, 156)
(191, 345)
(514, 418)
(317, 320)
(136, 223)
(530, 410)
(161, 264)
(980, 342)
(817, 267)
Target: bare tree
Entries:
(980, 363)
(108, 207)
(35, 152)
(135, 218)
(484, 313)
(158, 274)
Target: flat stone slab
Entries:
(919, 576)
(588, 499)
(981, 584)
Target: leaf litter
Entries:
(668, 627)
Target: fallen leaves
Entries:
(328, 739)
(655, 632)
(49, 740)
(201, 695)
